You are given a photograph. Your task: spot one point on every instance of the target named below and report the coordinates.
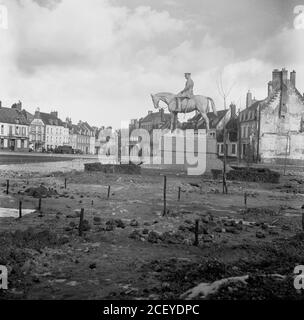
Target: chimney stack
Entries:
(54, 114)
(284, 76)
(270, 89)
(276, 79)
(17, 106)
(248, 99)
(233, 110)
(293, 78)
(37, 113)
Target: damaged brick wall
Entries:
(281, 138)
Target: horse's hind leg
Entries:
(206, 120)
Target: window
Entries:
(220, 148)
(233, 149)
(212, 134)
(2, 129)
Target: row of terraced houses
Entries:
(267, 130)
(23, 131)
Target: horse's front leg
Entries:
(172, 122)
(175, 120)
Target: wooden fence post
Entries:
(196, 233)
(165, 196)
(39, 204)
(81, 222)
(303, 217)
(20, 209)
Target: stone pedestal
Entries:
(189, 151)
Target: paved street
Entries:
(7, 158)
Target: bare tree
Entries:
(224, 93)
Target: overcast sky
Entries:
(99, 60)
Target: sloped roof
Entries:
(154, 115)
(50, 119)
(12, 116)
(213, 120)
(232, 124)
(28, 115)
(85, 126)
(253, 107)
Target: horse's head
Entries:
(155, 100)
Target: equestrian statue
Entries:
(185, 102)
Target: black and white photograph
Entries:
(151, 151)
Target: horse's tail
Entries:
(212, 105)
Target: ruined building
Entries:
(272, 130)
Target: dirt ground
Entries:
(129, 250)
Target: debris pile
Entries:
(254, 175)
(40, 192)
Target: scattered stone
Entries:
(72, 224)
(260, 235)
(286, 227)
(146, 231)
(93, 265)
(273, 232)
(232, 230)
(153, 237)
(134, 223)
(86, 225)
(120, 224)
(218, 229)
(135, 235)
(110, 227)
(97, 221)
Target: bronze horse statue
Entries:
(197, 103)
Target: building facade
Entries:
(56, 131)
(37, 133)
(14, 129)
(272, 130)
(231, 135)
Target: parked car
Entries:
(77, 151)
(64, 150)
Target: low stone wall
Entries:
(113, 168)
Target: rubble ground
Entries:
(129, 250)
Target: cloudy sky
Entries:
(99, 60)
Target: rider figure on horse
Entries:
(186, 93)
